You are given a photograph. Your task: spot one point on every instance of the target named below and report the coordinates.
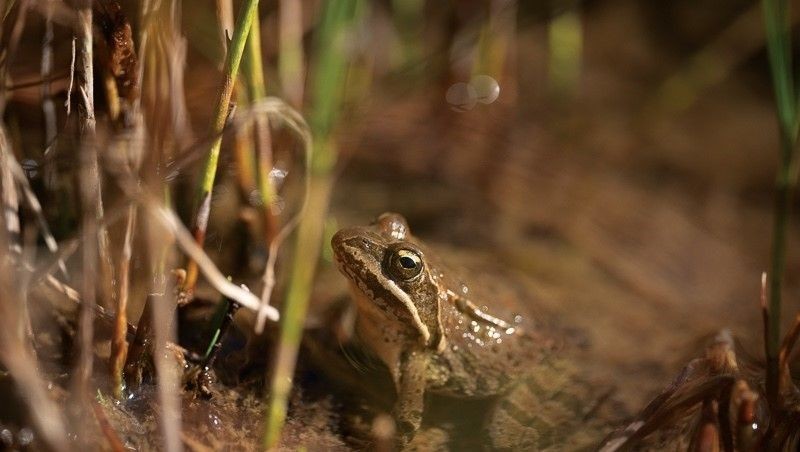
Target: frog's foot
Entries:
(408, 422)
(410, 396)
(709, 402)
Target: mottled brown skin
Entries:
(417, 316)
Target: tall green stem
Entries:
(776, 21)
(306, 255)
(327, 87)
(221, 110)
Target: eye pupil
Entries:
(407, 262)
(403, 264)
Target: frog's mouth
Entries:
(358, 256)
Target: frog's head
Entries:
(389, 274)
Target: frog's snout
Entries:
(356, 248)
(346, 244)
(339, 242)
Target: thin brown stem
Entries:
(262, 135)
(119, 343)
(9, 198)
(290, 57)
(9, 201)
(89, 194)
(71, 83)
(167, 372)
(48, 106)
(89, 233)
(224, 10)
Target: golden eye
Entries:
(405, 264)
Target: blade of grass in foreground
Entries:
(328, 82)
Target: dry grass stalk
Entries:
(159, 43)
(263, 139)
(245, 160)
(224, 10)
(295, 122)
(45, 414)
(91, 207)
(89, 235)
(243, 141)
(14, 38)
(85, 68)
(254, 74)
(48, 106)
(290, 60)
(15, 352)
(18, 176)
(10, 198)
(176, 48)
(119, 342)
(10, 206)
(169, 381)
(172, 223)
(129, 148)
(87, 125)
(121, 77)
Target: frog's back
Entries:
(483, 357)
(544, 400)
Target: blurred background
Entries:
(628, 163)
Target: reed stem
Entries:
(233, 59)
(260, 133)
(776, 20)
(328, 92)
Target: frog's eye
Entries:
(404, 264)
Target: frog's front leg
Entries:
(410, 394)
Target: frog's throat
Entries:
(409, 305)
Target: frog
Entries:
(417, 314)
